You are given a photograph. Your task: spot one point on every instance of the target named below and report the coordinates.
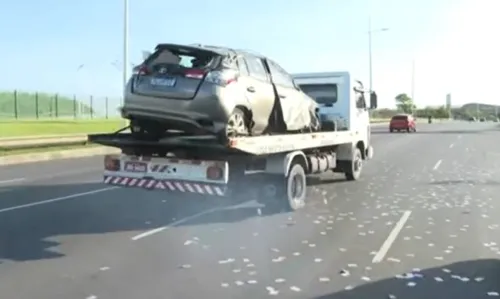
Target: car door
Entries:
(258, 90)
(293, 103)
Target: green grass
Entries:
(49, 105)
(56, 127)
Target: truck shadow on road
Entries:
(461, 280)
(33, 219)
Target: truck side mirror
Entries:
(373, 100)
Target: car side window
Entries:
(242, 66)
(256, 68)
(280, 76)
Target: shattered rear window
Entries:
(185, 59)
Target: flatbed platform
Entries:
(255, 145)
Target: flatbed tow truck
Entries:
(269, 169)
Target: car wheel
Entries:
(391, 130)
(237, 124)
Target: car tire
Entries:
(237, 124)
(391, 130)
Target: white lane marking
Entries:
(12, 181)
(452, 145)
(43, 202)
(180, 221)
(391, 238)
(436, 166)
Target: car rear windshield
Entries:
(400, 117)
(182, 58)
(321, 93)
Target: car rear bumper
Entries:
(187, 121)
(400, 127)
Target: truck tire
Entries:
(285, 194)
(353, 171)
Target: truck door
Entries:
(362, 117)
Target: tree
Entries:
(405, 103)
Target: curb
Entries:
(48, 156)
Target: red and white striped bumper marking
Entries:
(169, 185)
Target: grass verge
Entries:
(58, 127)
(47, 149)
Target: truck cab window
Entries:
(325, 94)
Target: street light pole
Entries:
(413, 80)
(412, 84)
(370, 33)
(370, 52)
(125, 47)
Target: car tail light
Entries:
(111, 163)
(141, 70)
(214, 173)
(194, 73)
(222, 78)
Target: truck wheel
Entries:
(285, 194)
(355, 166)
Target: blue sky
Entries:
(451, 41)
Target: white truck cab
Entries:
(343, 100)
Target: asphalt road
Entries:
(421, 223)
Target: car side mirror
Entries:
(373, 100)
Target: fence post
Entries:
(57, 105)
(51, 109)
(37, 112)
(91, 107)
(106, 102)
(16, 113)
(74, 106)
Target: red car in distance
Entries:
(402, 122)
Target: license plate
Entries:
(166, 82)
(136, 167)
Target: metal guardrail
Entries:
(18, 143)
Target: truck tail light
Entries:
(111, 163)
(215, 173)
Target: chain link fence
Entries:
(18, 105)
